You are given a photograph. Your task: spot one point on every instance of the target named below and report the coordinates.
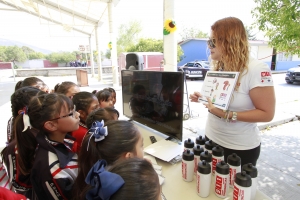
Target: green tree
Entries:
(14, 54)
(251, 36)
(280, 21)
(152, 45)
(35, 55)
(108, 54)
(27, 50)
(188, 33)
(2, 53)
(61, 57)
(128, 35)
(146, 45)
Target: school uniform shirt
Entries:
(79, 135)
(55, 168)
(19, 183)
(4, 178)
(240, 135)
(7, 194)
(9, 129)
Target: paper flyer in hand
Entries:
(219, 86)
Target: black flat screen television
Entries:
(154, 99)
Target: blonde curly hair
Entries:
(231, 38)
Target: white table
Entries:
(174, 188)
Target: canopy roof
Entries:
(78, 15)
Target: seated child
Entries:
(115, 141)
(85, 103)
(132, 178)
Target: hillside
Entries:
(8, 42)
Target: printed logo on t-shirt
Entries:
(266, 77)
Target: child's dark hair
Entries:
(105, 114)
(112, 90)
(82, 100)
(63, 87)
(122, 137)
(103, 95)
(40, 109)
(19, 100)
(21, 97)
(30, 81)
(141, 180)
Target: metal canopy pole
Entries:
(114, 59)
(170, 43)
(91, 57)
(99, 54)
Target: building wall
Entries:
(296, 58)
(152, 61)
(194, 50)
(31, 64)
(5, 65)
(264, 53)
(47, 64)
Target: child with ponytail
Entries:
(44, 146)
(112, 141)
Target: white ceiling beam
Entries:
(67, 11)
(41, 16)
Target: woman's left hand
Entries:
(209, 105)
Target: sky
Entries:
(199, 14)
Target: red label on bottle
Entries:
(184, 173)
(238, 194)
(214, 163)
(195, 165)
(232, 174)
(220, 187)
(198, 183)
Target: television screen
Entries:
(154, 99)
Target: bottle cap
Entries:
(250, 170)
(206, 156)
(217, 151)
(204, 167)
(200, 140)
(243, 179)
(188, 143)
(222, 167)
(209, 144)
(188, 155)
(234, 160)
(198, 150)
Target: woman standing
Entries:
(253, 100)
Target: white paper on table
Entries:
(161, 179)
(158, 171)
(164, 150)
(151, 158)
(156, 167)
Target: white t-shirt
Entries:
(240, 135)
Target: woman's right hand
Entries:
(195, 96)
